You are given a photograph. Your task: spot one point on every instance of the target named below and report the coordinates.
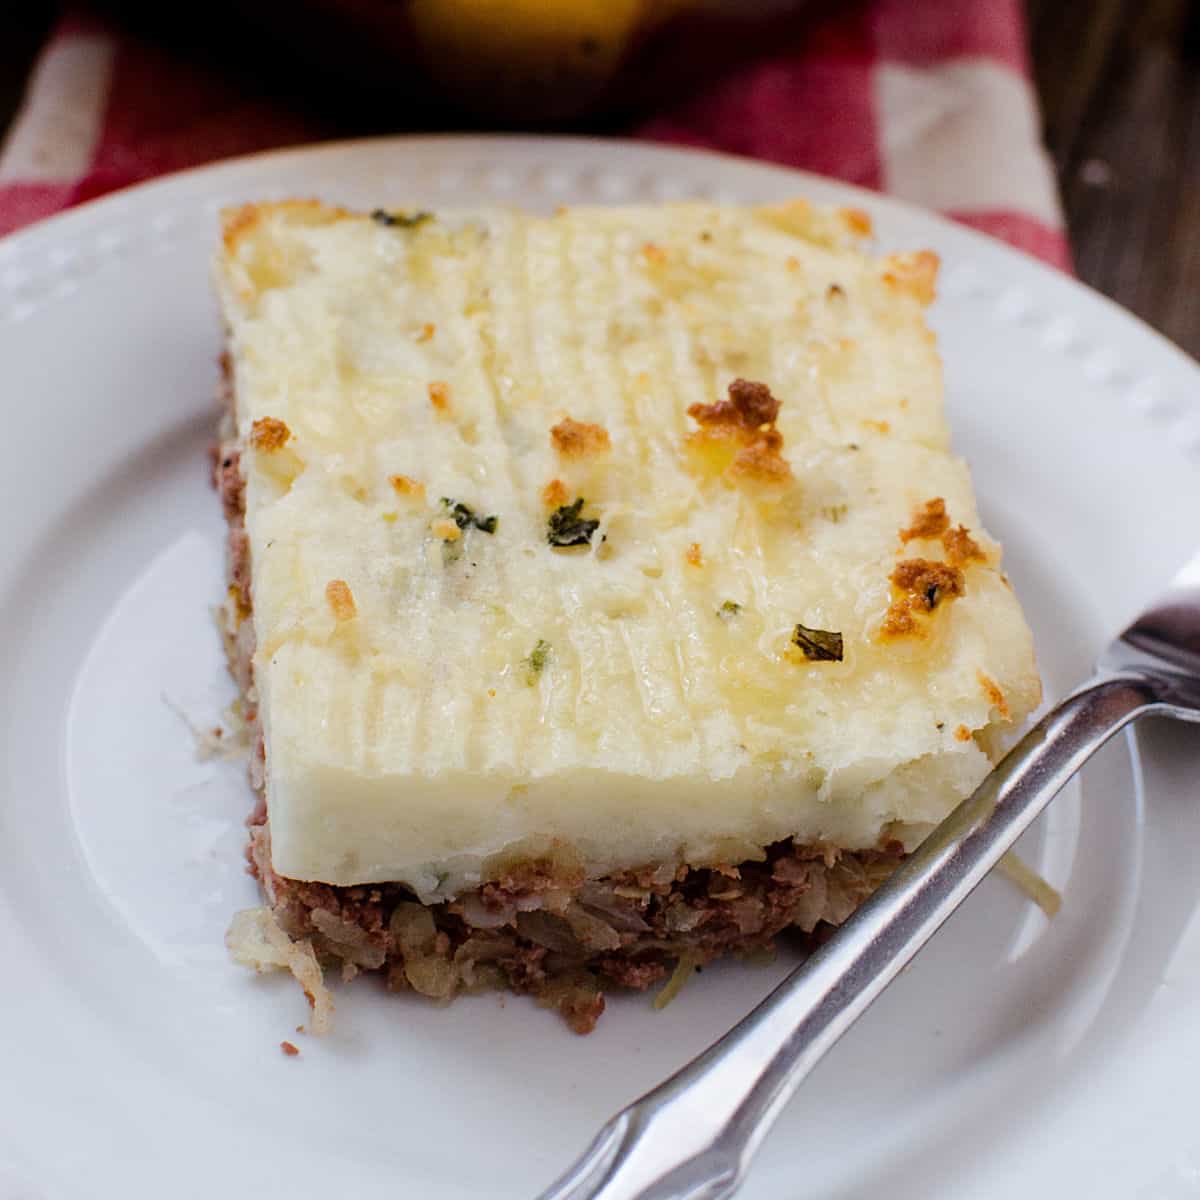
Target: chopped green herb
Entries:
(567, 528)
(400, 220)
(835, 512)
(728, 610)
(535, 662)
(820, 645)
(465, 517)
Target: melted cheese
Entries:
(411, 733)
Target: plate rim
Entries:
(41, 234)
(13, 242)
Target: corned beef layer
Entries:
(562, 938)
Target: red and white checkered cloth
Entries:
(927, 99)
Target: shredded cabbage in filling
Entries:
(1047, 898)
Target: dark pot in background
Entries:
(479, 63)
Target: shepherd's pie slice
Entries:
(602, 583)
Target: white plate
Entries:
(1017, 1057)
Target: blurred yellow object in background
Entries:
(542, 58)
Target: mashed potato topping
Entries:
(630, 531)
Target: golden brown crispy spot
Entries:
(269, 434)
(439, 395)
(932, 521)
(654, 253)
(929, 521)
(962, 733)
(341, 600)
(961, 548)
(555, 494)
(914, 273)
(919, 584)
(404, 486)
(750, 406)
(995, 696)
(577, 439)
(748, 418)
(762, 459)
(857, 221)
(694, 556)
(929, 583)
(446, 529)
(792, 263)
(877, 426)
(237, 222)
(427, 332)
(899, 622)
(918, 587)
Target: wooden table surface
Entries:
(1119, 82)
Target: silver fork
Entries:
(693, 1137)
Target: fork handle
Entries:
(692, 1137)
